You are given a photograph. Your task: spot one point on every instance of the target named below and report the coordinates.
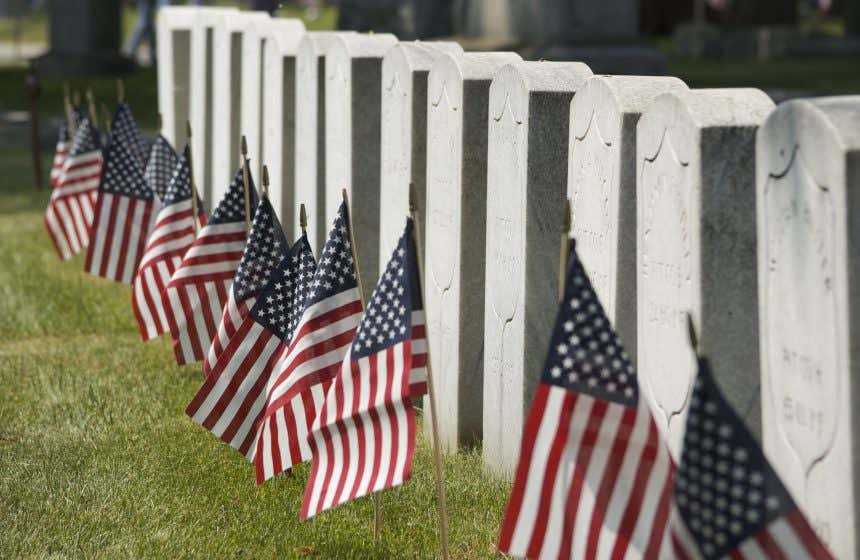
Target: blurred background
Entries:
(789, 48)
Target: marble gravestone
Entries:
(310, 134)
(404, 134)
(228, 61)
(353, 95)
(807, 187)
(173, 41)
(278, 114)
(696, 250)
(200, 94)
(601, 185)
(528, 131)
(458, 88)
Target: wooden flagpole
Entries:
(377, 514)
(106, 117)
(565, 249)
(264, 186)
(303, 218)
(76, 99)
(120, 90)
(437, 450)
(67, 103)
(193, 185)
(91, 102)
(246, 181)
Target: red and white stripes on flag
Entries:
(70, 211)
(124, 217)
(171, 237)
(323, 335)
(594, 478)
(232, 398)
(363, 439)
(197, 291)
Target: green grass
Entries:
(98, 460)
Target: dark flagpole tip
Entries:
(303, 217)
(106, 116)
(265, 177)
(413, 198)
(244, 146)
(120, 90)
(345, 196)
(691, 332)
(568, 222)
(188, 128)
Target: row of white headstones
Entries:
(708, 201)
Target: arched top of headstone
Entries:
(284, 33)
(694, 110)
(239, 21)
(177, 16)
(318, 43)
(520, 79)
(419, 56)
(361, 45)
(449, 71)
(607, 98)
(212, 16)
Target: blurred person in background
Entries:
(144, 28)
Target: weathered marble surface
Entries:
(353, 95)
(807, 187)
(601, 184)
(528, 131)
(405, 68)
(278, 113)
(696, 249)
(457, 112)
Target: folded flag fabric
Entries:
(60, 154)
(171, 237)
(297, 385)
(124, 216)
(70, 210)
(124, 129)
(594, 479)
(263, 253)
(363, 438)
(728, 500)
(232, 398)
(197, 291)
(159, 167)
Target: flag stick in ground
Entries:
(67, 104)
(565, 249)
(91, 102)
(264, 186)
(245, 182)
(303, 218)
(120, 90)
(377, 513)
(191, 173)
(106, 117)
(437, 451)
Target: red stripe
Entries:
(661, 517)
(109, 234)
(677, 548)
(275, 450)
(405, 391)
(88, 263)
(807, 536)
(769, 545)
(251, 397)
(126, 238)
(392, 417)
(361, 448)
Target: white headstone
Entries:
(601, 184)
(353, 96)
(696, 249)
(404, 134)
(526, 188)
(310, 134)
(251, 106)
(278, 115)
(227, 96)
(174, 70)
(458, 93)
(201, 91)
(808, 170)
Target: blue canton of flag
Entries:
(124, 129)
(160, 166)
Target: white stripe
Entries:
(386, 442)
(789, 542)
(401, 416)
(164, 249)
(283, 442)
(189, 271)
(78, 222)
(57, 233)
(137, 230)
(348, 388)
(116, 244)
(101, 228)
(268, 467)
(142, 306)
(69, 233)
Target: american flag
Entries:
(232, 398)
(594, 478)
(60, 153)
(124, 129)
(124, 217)
(159, 167)
(171, 237)
(266, 246)
(70, 210)
(197, 291)
(326, 328)
(728, 501)
(363, 438)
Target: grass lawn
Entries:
(97, 458)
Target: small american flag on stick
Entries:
(322, 337)
(594, 478)
(171, 237)
(124, 217)
(197, 291)
(70, 211)
(729, 502)
(363, 438)
(232, 398)
(263, 253)
(60, 154)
